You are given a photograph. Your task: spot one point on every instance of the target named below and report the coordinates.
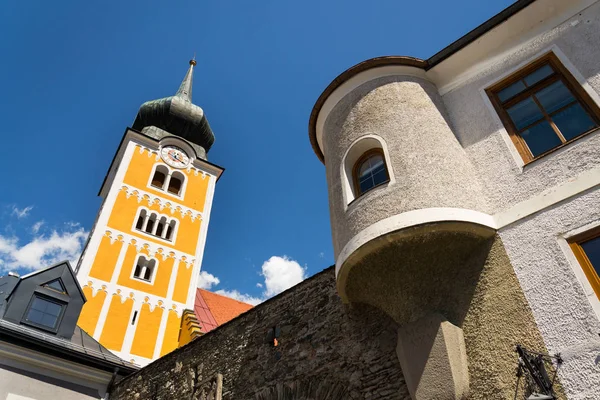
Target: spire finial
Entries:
(185, 89)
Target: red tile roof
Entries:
(214, 309)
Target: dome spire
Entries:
(185, 89)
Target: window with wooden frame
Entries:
(586, 247)
(370, 171)
(543, 107)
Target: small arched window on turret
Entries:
(144, 269)
(160, 176)
(370, 171)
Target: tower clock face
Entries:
(174, 156)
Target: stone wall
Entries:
(326, 350)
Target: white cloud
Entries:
(42, 251)
(36, 227)
(234, 294)
(206, 280)
(321, 255)
(21, 212)
(281, 273)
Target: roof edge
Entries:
(432, 61)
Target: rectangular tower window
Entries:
(543, 107)
(586, 248)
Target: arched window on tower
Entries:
(370, 171)
(151, 223)
(160, 176)
(170, 230)
(160, 227)
(144, 268)
(176, 183)
(139, 225)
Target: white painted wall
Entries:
(564, 305)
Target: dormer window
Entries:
(44, 313)
(167, 180)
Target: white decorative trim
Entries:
(409, 219)
(574, 186)
(53, 367)
(91, 249)
(150, 199)
(577, 185)
(359, 147)
(110, 288)
(576, 267)
(210, 192)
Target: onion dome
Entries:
(176, 115)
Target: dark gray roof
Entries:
(7, 285)
(82, 347)
(178, 116)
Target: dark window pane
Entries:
(169, 232)
(510, 91)
(366, 185)
(379, 177)
(573, 121)
(138, 271)
(538, 75)
(592, 251)
(554, 96)
(147, 274)
(140, 222)
(371, 173)
(49, 320)
(44, 312)
(159, 229)
(525, 113)
(174, 185)
(55, 285)
(149, 226)
(158, 179)
(540, 138)
(53, 309)
(35, 316)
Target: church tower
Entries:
(140, 267)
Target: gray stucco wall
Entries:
(343, 352)
(479, 130)
(557, 298)
(430, 166)
(33, 386)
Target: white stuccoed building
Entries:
(496, 137)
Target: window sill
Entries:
(161, 190)
(149, 235)
(142, 280)
(366, 194)
(560, 147)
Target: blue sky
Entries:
(73, 74)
